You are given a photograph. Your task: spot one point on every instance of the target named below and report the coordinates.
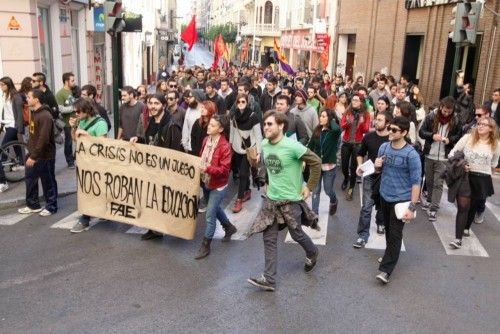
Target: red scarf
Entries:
(443, 120)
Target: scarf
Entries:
(443, 119)
(206, 158)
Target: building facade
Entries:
(402, 37)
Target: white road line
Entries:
(244, 219)
(445, 228)
(13, 218)
(495, 210)
(375, 241)
(70, 220)
(136, 230)
(317, 237)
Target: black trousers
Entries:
(393, 236)
(242, 166)
(348, 154)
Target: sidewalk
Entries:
(66, 184)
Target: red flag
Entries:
(189, 35)
(325, 55)
(216, 54)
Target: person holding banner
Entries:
(86, 123)
(153, 135)
(215, 168)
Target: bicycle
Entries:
(13, 157)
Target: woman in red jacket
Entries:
(355, 123)
(215, 166)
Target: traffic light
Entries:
(465, 21)
(113, 12)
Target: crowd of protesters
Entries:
(299, 129)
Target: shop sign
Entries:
(99, 19)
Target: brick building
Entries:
(376, 35)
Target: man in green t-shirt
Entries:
(65, 99)
(283, 158)
(87, 123)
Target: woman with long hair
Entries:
(417, 100)
(355, 123)
(162, 87)
(199, 130)
(481, 151)
(12, 121)
(341, 104)
(215, 166)
(325, 143)
(245, 133)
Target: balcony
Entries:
(265, 30)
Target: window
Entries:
(268, 13)
(45, 47)
(260, 15)
(276, 16)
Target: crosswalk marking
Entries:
(137, 230)
(70, 220)
(12, 218)
(445, 228)
(317, 237)
(244, 219)
(375, 241)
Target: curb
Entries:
(15, 202)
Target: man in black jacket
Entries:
(441, 130)
(214, 97)
(38, 81)
(270, 95)
(296, 126)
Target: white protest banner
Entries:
(142, 185)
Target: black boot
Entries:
(230, 230)
(204, 249)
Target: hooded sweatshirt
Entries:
(41, 144)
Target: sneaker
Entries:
(310, 263)
(247, 195)
(150, 234)
(379, 260)
(432, 216)
(348, 195)
(380, 229)
(383, 277)
(4, 187)
(344, 184)
(360, 243)
(71, 165)
(262, 283)
(17, 168)
(80, 227)
(202, 206)
(27, 210)
(238, 205)
(478, 219)
(466, 233)
(45, 213)
(456, 244)
(333, 208)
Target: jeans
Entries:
(10, 135)
(348, 154)
(270, 237)
(45, 171)
(328, 177)
(365, 214)
(214, 199)
(433, 171)
(393, 237)
(68, 146)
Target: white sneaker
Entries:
(479, 219)
(27, 210)
(3, 187)
(18, 168)
(45, 213)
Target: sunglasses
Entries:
(394, 130)
(172, 86)
(268, 123)
(242, 102)
(479, 115)
(76, 111)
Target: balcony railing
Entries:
(269, 30)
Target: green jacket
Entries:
(327, 144)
